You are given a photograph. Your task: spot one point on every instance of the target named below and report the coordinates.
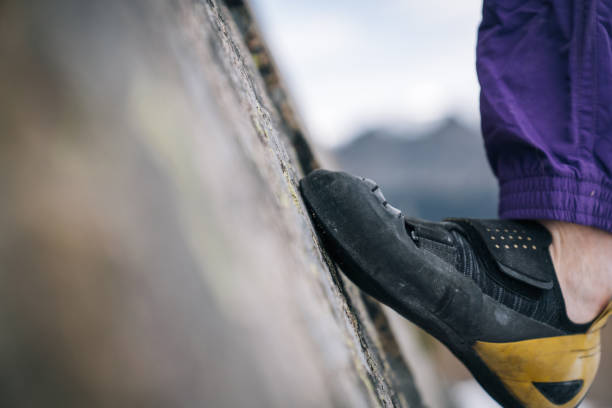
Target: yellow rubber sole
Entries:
(548, 372)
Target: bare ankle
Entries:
(582, 257)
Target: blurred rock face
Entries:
(154, 250)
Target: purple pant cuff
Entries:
(557, 198)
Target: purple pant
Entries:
(545, 70)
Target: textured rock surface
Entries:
(154, 248)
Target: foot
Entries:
(581, 258)
(487, 289)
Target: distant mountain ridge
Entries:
(438, 173)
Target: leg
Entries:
(546, 105)
(583, 262)
(493, 290)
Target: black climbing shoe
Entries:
(485, 288)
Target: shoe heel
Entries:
(550, 372)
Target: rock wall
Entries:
(154, 247)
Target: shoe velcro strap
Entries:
(520, 248)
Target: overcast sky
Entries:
(353, 64)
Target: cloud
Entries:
(352, 65)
